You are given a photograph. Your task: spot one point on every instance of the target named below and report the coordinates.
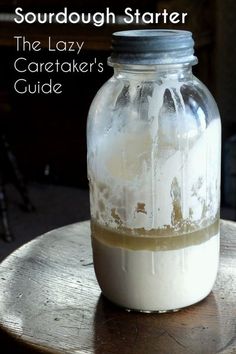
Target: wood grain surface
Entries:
(50, 302)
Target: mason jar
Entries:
(154, 150)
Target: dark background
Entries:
(47, 133)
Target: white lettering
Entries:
(174, 17)
(16, 65)
(135, 16)
(128, 13)
(30, 17)
(17, 88)
(184, 15)
(61, 17)
(23, 44)
(74, 17)
(18, 13)
(147, 17)
(98, 19)
(21, 86)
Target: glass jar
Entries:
(154, 146)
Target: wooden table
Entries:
(50, 302)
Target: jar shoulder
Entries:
(115, 87)
(198, 98)
(125, 101)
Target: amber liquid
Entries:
(153, 240)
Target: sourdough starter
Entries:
(154, 209)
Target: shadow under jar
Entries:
(154, 146)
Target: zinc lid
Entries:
(152, 46)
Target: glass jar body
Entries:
(154, 145)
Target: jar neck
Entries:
(179, 72)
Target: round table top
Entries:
(50, 302)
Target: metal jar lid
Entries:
(150, 47)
